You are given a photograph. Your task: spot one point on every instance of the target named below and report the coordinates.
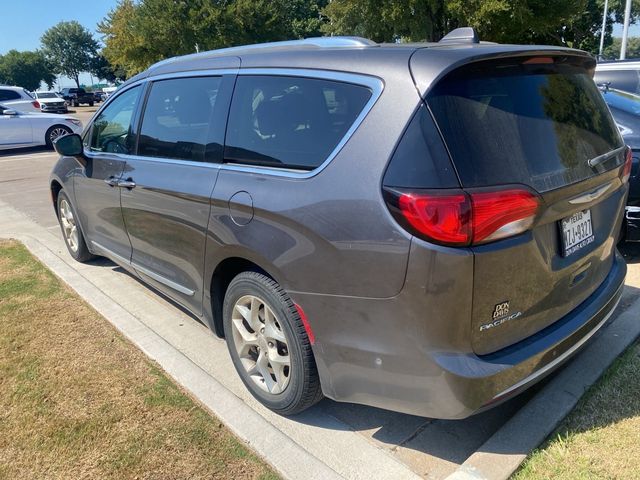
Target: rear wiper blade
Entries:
(595, 161)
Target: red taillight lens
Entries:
(628, 162)
(502, 214)
(36, 104)
(441, 218)
(461, 218)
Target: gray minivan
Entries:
(428, 228)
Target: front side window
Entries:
(111, 131)
(290, 122)
(177, 118)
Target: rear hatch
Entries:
(534, 123)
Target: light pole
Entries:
(604, 26)
(625, 30)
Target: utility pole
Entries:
(604, 26)
(625, 30)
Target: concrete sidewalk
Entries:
(330, 440)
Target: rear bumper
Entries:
(421, 369)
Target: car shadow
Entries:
(24, 151)
(630, 251)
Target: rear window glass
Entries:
(524, 121)
(290, 122)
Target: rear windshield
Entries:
(535, 121)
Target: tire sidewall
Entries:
(246, 285)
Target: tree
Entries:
(137, 34)
(101, 68)
(575, 23)
(70, 48)
(387, 20)
(612, 52)
(25, 69)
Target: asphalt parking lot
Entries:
(430, 448)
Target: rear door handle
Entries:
(111, 181)
(128, 183)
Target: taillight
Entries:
(441, 218)
(626, 169)
(36, 104)
(459, 218)
(502, 214)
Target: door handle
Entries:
(128, 183)
(111, 181)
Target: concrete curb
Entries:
(501, 455)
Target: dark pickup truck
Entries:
(77, 96)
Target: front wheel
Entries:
(268, 344)
(71, 233)
(55, 132)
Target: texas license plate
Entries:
(577, 232)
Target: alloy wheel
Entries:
(57, 132)
(261, 344)
(69, 226)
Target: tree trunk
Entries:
(77, 79)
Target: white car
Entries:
(18, 98)
(20, 129)
(51, 102)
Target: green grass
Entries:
(77, 400)
(601, 437)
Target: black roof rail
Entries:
(461, 35)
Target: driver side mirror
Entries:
(69, 145)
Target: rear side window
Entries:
(531, 121)
(290, 122)
(6, 95)
(420, 159)
(177, 118)
(627, 80)
(111, 130)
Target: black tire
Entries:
(48, 138)
(303, 388)
(74, 104)
(91, 104)
(81, 253)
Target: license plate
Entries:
(577, 232)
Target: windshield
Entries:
(521, 121)
(46, 95)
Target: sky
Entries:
(24, 22)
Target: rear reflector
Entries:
(305, 323)
(628, 162)
(460, 218)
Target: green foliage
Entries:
(70, 48)
(137, 34)
(612, 52)
(102, 69)
(25, 69)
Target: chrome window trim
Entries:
(375, 84)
